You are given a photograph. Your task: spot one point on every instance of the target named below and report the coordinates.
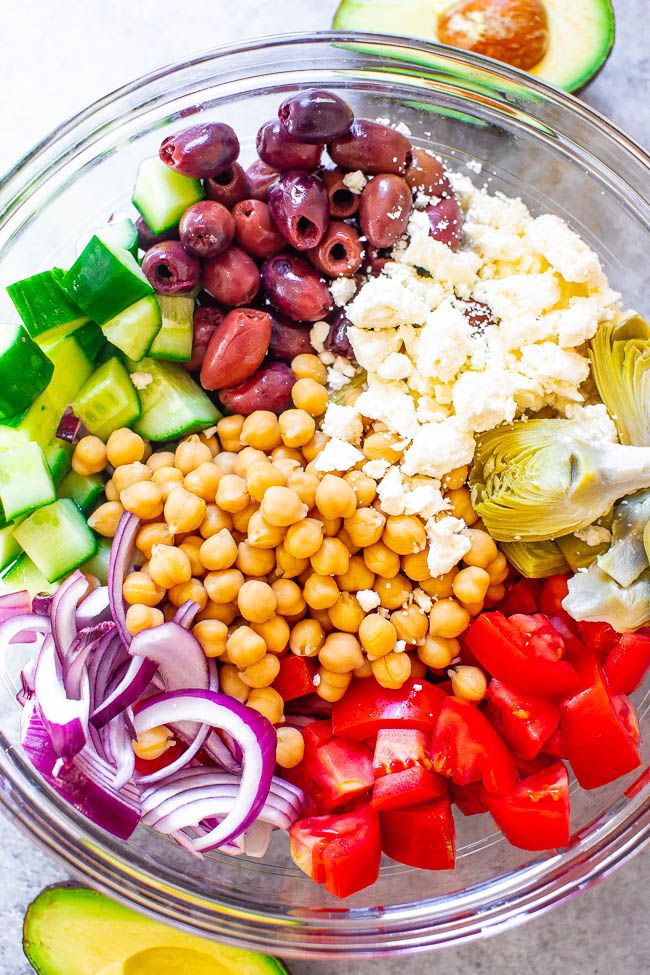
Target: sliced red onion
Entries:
(70, 427)
(63, 611)
(119, 563)
(221, 754)
(255, 735)
(85, 784)
(119, 737)
(15, 604)
(95, 608)
(66, 720)
(15, 628)
(27, 675)
(75, 662)
(130, 688)
(42, 603)
(257, 838)
(186, 613)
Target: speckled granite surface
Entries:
(61, 57)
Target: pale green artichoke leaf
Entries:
(536, 560)
(627, 558)
(620, 360)
(595, 597)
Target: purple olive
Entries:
(288, 339)
(254, 229)
(204, 322)
(231, 277)
(385, 208)
(228, 187)
(446, 219)
(426, 174)
(340, 252)
(267, 389)
(169, 269)
(315, 116)
(260, 177)
(373, 148)
(206, 228)
(478, 314)
(299, 206)
(276, 149)
(337, 341)
(147, 238)
(295, 288)
(201, 151)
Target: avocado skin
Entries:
(65, 917)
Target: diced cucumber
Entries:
(11, 437)
(135, 328)
(57, 539)
(98, 564)
(84, 490)
(104, 280)
(44, 306)
(58, 455)
(91, 339)
(25, 370)
(23, 574)
(174, 340)
(120, 232)
(172, 403)
(162, 196)
(108, 400)
(25, 480)
(9, 547)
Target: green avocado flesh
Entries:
(75, 931)
(581, 32)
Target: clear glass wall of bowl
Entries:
(531, 141)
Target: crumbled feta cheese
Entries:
(596, 425)
(439, 448)
(519, 294)
(425, 499)
(447, 544)
(442, 345)
(316, 679)
(594, 535)
(423, 600)
(503, 212)
(440, 261)
(392, 404)
(474, 165)
(343, 423)
(390, 492)
(493, 243)
(141, 379)
(318, 334)
(337, 455)
(371, 348)
(400, 646)
(385, 303)
(563, 249)
(375, 468)
(559, 371)
(403, 128)
(345, 366)
(395, 366)
(368, 599)
(343, 290)
(577, 323)
(483, 400)
(336, 380)
(355, 181)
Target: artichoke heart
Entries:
(620, 359)
(596, 597)
(627, 558)
(536, 560)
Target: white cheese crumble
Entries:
(343, 290)
(447, 544)
(343, 423)
(337, 455)
(355, 181)
(594, 535)
(368, 599)
(141, 379)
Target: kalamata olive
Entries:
(276, 149)
(295, 288)
(228, 187)
(201, 151)
(204, 322)
(337, 341)
(206, 228)
(169, 269)
(315, 116)
(288, 339)
(371, 147)
(385, 208)
(340, 252)
(147, 238)
(478, 314)
(446, 219)
(267, 389)
(255, 230)
(375, 260)
(514, 31)
(236, 348)
(343, 202)
(300, 209)
(259, 177)
(427, 175)
(231, 277)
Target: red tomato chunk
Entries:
(343, 852)
(524, 722)
(535, 815)
(403, 770)
(367, 707)
(334, 771)
(296, 677)
(628, 662)
(420, 836)
(466, 748)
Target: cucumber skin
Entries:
(134, 338)
(180, 193)
(43, 543)
(42, 303)
(109, 379)
(25, 372)
(104, 283)
(23, 574)
(166, 410)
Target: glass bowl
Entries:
(530, 140)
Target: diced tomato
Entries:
(410, 787)
(469, 798)
(147, 766)
(343, 852)
(523, 721)
(535, 815)
(296, 677)
(554, 590)
(520, 597)
(599, 637)
(397, 749)
(639, 784)
(629, 661)
(531, 766)
(367, 707)
(466, 748)
(599, 731)
(317, 733)
(554, 745)
(420, 836)
(525, 652)
(333, 771)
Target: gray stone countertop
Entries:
(59, 57)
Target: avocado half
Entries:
(75, 931)
(581, 32)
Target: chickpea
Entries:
(124, 447)
(494, 595)
(142, 617)
(128, 474)
(405, 534)
(471, 585)
(203, 481)
(212, 635)
(169, 566)
(263, 535)
(316, 445)
(344, 537)
(468, 683)
(184, 512)
(254, 561)
(448, 618)
(224, 612)
(231, 683)
(331, 686)
(308, 366)
(320, 592)
(331, 559)
(214, 521)
(322, 617)
(378, 635)
(232, 494)
(143, 499)
(411, 624)
(229, 429)
(304, 484)
(340, 653)
(346, 613)
(223, 586)
(275, 632)
(261, 430)
(392, 670)
(393, 592)
(297, 427)
(307, 638)
(415, 565)
(162, 458)
(209, 438)
(357, 577)
(440, 587)
(289, 597)
(483, 550)
(310, 396)
(335, 498)
(287, 565)
(138, 587)
(304, 538)
(287, 466)
(381, 560)
(89, 456)
(190, 454)
(363, 486)
(245, 647)
(218, 551)
(268, 703)
(497, 570)
(109, 491)
(153, 743)
(167, 478)
(257, 601)
(461, 505)
(331, 526)
(105, 519)
(194, 590)
(281, 507)
(365, 670)
(260, 477)
(262, 673)
(290, 747)
(155, 533)
(365, 527)
(383, 446)
(226, 462)
(284, 453)
(455, 479)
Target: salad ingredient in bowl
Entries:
(321, 525)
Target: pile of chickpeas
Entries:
(273, 551)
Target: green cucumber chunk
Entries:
(25, 480)
(173, 404)
(91, 339)
(82, 489)
(134, 329)
(104, 280)
(108, 400)
(23, 574)
(162, 196)
(9, 547)
(57, 539)
(58, 455)
(25, 370)
(120, 232)
(174, 340)
(43, 305)
(97, 565)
